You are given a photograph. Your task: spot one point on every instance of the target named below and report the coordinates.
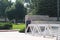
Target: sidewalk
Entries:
(20, 36)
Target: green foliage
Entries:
(48, 7)
(45, 7)
(23, 30)
(20, 11)
(20, 26)
(17, 11)
(20, 1)
(10, 11)
(5, 25)
(3, 5)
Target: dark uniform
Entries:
(28, 22)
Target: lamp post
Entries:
(27, 6)
(57, 10)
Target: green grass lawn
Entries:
(20, 26)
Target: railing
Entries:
(52, 30)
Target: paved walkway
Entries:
(20, 36)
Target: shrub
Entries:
(1, 27)
(5, 25)
(23, 30)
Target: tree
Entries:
(34, 6)
(17, 12)
(3, 5)
(20, 11)
(21, 1)
(10, 12)
(45, 7)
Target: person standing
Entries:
(28, 21)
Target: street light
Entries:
(57, 10)
(27, 6)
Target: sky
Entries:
(13, 0)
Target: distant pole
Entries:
(57, 10)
